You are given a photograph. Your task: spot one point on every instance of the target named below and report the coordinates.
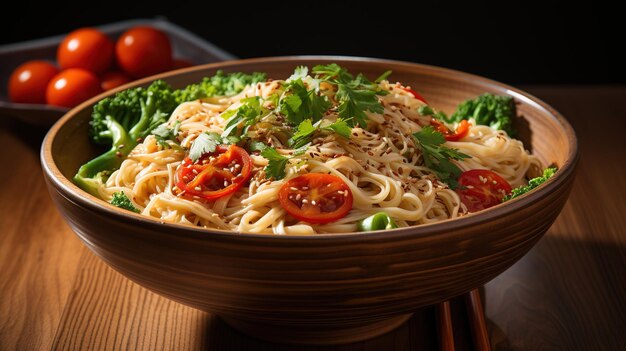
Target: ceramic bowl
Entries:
(321, 289)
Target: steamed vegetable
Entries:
(378, 221)
(122, 201)
(122, 120)
(491, 110)
(533, 183)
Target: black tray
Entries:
(184, 44)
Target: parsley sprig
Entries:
(277, 162)
(437, 157)
(355, 95)
(250, 111)
(207, 142)
(306, 130)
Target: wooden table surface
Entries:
(567, 293)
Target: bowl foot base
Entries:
(322, 335)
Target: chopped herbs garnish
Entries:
(437, 157)
(207, 142)
(383, 76)
(305, 131)
(248, 113)
(495, 111)
(355, 95)
(300, 104)
(122, 201)
(163, 133)
(533, 183)
(426, 110)
(257, 145)
(277, 163)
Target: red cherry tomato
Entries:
(480, 189)
(415, 94)
(29, 81)
(71, 87)
(461, 130)
(181, 63)
(143, 51)
(86, 48)
(113, 79)
(316, 198)
(215, 174)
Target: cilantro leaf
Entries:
(383, 76)
(299, 73)
(533, 183)
(303, 133)
(248, 114)
(341, 127)
(205, 143)
(256, 145)
(276, 165)
(437, 157)
(163, 133)
(300, 103)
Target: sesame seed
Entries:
(313, 202)
(197, 188)
(293, 189)
(298, 196)
(305, 201)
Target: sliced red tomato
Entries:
(215, 174)
(316, 198)
(480, 189)
(461, 130)
(415, 94)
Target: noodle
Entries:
(380, 165)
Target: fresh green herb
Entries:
(256, 145)
(495, 111)
(437, 157)
(163, 133)
(378, 221)
(122, 201)
(533, 183)
(383, 76)
(221, 84)
(277, 163)
(247, 114)
(299, 103)
(207, 143)
(426, 110)
(305, 131)
(355, 95)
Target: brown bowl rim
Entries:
(76, 195)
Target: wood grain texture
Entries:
(320, 289)
(38, 253)
(567, 293)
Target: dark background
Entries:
(513, 42)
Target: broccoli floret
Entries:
(221, 84)
(533, 183)
(122, 201)
(122, 120)
(492, 110)
(127, 117)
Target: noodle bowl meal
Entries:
(321, 151)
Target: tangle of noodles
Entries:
(380, 164)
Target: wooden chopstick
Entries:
(477, 322)
(444, 327)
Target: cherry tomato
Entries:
(215, 174)
(316, 198)
(415, 94)
(71, 87)
(143, 51)
(86, 48)
(461, 130)
(113, 79)
(181, 63)
(480, 189)
(29, 81)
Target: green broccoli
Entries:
(221, 84)
(121, 121)
(533, 183)
(495, 111)
(129, 116)
(122, 201)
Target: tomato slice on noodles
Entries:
(316, 198)
(480, 189)
(215, 174)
